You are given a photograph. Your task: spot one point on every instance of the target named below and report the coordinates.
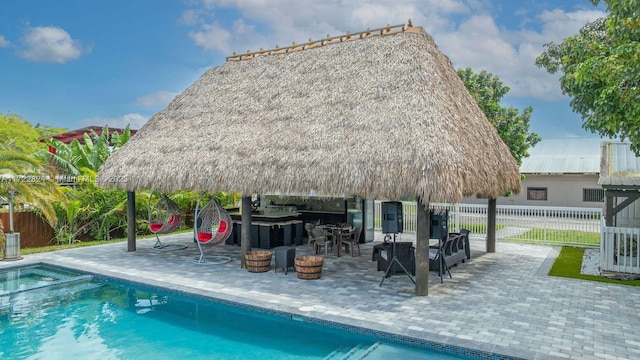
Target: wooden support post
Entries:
(422, 249)
(491, 226)
(608, 212)
(245, 240)
(631, 198)
(131, 221)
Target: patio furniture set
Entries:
(323, 237)
(443, 254)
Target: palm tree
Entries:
(25, 175)
(1, 235)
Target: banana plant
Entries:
(91, 153)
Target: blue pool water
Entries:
(50, 313)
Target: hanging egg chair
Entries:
(164, 218)
(212, 224)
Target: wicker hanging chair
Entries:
(164, 217)
(212, 225)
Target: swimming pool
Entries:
(49, 312)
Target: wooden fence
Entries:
(34, 232)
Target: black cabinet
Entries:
(405, 254)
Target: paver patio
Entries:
(502, 302)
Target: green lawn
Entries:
(478, 228)
(551, 236)
(27, 251)
(568, 265)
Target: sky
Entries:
(76, 63)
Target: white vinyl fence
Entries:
(530, 224)
(619, 249)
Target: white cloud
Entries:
(50, 44)
(265, 24)
(560, 24)
(465, 30)
(189, 17)
(158, 98)
(4, 42)
(134, 120)
(479, 43)
(212, 37)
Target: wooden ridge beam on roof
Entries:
(387, 30)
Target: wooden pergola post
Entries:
(422, 250)
(608, 212)
(131, 221)
(245, 239)
(491, 226)
(612, 206)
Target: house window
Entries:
(537, 193)
(593, 195)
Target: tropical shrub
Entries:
(26, 176)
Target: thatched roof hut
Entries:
(381, 116)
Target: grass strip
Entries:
(49, 248)
(568, 265)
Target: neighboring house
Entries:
(78, 134)
(559, 172)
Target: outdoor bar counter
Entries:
(269, 230)
(325, 217)
(281, 225)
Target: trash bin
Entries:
(12, 246)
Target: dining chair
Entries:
(309, 227)
(321, 239)
(351, 240)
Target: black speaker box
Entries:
(438, 224)
(392, 217)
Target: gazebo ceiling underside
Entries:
(382, 117)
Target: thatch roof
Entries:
(384, 117)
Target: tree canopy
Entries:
(600, 68)
(512, 125)
(18, 134)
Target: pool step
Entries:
(377, 351)
(380, 351)
(337, 353)
(357, 352)
(52, 284)
(33, 297)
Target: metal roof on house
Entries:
(620, 166)
(624, 160)
(563, 156)
(78, 134)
